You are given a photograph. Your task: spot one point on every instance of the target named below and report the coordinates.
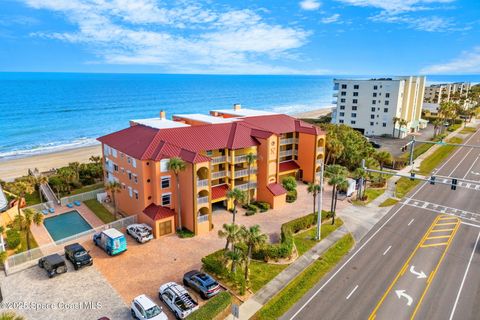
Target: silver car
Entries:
(140, 232)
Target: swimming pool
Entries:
(65, 225)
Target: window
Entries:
(355, 94)
(387, 95)
(354, 115)
(384, 124)
(340, 121)
(129, 175)
(371, 123)
(129, 160)
(115, 167)
(343, 93)
(342, 107)
(122, 155)
(134, 163)
(374, 94)
(123, 186)
(164, 165)
(375, 87)
(354, 108)
(209, 153)
(343, 100)
(166, 198)
(355, 101)
(114, 152)
(374, 101)
(344, 86)
(355, 86)
(385, 109)
(353, 122)
(106, 149)
(135, 192)
(165, 182)
(123, 170)
(135, 178)
(372, 116)
(130, 191)
(342, 114)
(373, 109)
(386, 102)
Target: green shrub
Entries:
(289, 183)
(214, 263)
(250, 207)
(185, 233)
(262, 205)
(291, 196)
(13, 238)
(213, 307)
(250, 212)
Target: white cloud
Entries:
(333, 18)
(396, 6)
(310, 4)
(467, 63)
(429, 24)
(183, 37)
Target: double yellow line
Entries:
(421, 244)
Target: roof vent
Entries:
(163, 115)
(237, 106)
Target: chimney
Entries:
(237, 106)
(163, 115)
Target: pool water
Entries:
(66, 224)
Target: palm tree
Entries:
(41, 180)
(314, 189)
(95, 159)
(236, 256)
(383, 157)
(254, 239)
(20, 189)
(67, 175)
(231, 232)
(114, 187)
(75, 166)
(250, 158)
(10, 316)
(335, 149)
(395, 121)
(237, 196)
(436, 125)
(24, 222)
(337, 177)
(177, 165)
(402, 123)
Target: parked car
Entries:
(140, 232)
(111, 240)
(144, 308)
(53, 265)
(201, 282)
(375, 144)
(78, 256)
(177, 299)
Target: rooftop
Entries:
(204, 118)
(244, 112)
(159, 123)
(155, 212)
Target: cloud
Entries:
(184, 36)
(396, 6)
(429, 24)
(310, 4)
(467, 63)
(333, 18)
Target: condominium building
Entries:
(371, 106)
(214, 149)
(437, 93)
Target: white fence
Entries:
(29, 258)
(81, 197)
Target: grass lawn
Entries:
(261, 273)
(437, 157)
(99, 210)
(389, 202)
(404, 185)
(305, 240)
(87, 188)
(286, 298)
(468, 130)
(416, 152)
(371, 194)
(32, 198)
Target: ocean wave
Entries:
(47, 148)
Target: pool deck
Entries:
(41, 234)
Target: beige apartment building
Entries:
(371, 105)
(437, 93)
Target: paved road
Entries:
(422, 260)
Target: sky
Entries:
(357, 37)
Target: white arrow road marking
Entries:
(401, 293)
(475, 173)
(411, 221)
(350, 294)
(420, 275)
(389, 247)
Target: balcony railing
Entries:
(201, 200)
(246, 186)
(288, 141)
(320, 149)
(334, 101)
(219, 159)
(202, 218)
(219, 174)
(244, 172)
(319, 161)
(335, 94)
(286, 153)
(202, 183)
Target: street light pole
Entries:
(320, 203)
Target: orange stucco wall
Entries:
(142, 218)
(306, 156)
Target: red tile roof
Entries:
(276, 189)
(219, 191)
(281, 123)
(288, 165)
(155, 212)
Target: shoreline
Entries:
(17, 167)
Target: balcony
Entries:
(320, 149)
(288, 141)
(319, 161)
(202, 183)
(202, 200)
(286, 153)
(244, 172)
(334, 101)
(241, 158)
(219, 174)
(219, 159)
(245, 186)
(335, 94)
(336, 86)
(202, 218)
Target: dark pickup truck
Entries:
(78, 256)
(53, 265)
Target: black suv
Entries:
(53, 264)
(78, 256)
(202, 283)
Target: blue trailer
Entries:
(111, 240)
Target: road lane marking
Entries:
(411, 221)
(470, 169)
(464, 277)
(456, 167)
(420, 275)
(389, 247)
(434, 272)
(401, 293)
(350, 294)
(446, 223)
(434, 245)
(438, 237)
(442, 230)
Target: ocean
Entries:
(48, 112)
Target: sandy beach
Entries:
(14, 168)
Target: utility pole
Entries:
(412, 148)
(360, 185)
(320, 203)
